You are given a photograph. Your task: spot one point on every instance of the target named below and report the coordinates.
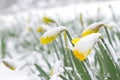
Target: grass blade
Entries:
(42, 72)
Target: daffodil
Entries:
(51, 35)
(83, 46)
(9, 64)
(56, 71)
(93, 28)
(47, 20)
(43, 28)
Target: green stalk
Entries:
(114, 63)
(102, 66)
(68, 74)
(80, 66)
(63, 51)
(56, 50)
(108, 35)
(3, 47)
(113, 14)
(69, 36)
(42, 72)
(64, 78)
(71, 60)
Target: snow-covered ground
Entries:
(6, 74)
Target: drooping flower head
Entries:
(84, 45)
(93, 28)
(51, 34)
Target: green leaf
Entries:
(110, 66)
(68, 74)
(64, 78)
(80, 67)
(108, 35)
(42, 72)
(63, 51)
(3, 47)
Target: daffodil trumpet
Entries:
(93, 28)
(51, 35)
(83, 46)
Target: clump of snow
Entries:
(54, 31)
(95, 26)
(87, 42)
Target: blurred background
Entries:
(13, 6)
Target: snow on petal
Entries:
(51, 34)
(93, 28)
(83, 48)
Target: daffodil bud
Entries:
(93, 28)
(84, 45)
(56, 71)
(48, 20)
(51, 34)
(43, 28)
(9, 64)
(81, 20)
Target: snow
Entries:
(54, 32)
(86, 43)
(7, 74)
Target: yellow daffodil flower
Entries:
(43, 28)
(51, 34)
(93, 28)
(9, 64)
(47, 20)
(84, 45)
